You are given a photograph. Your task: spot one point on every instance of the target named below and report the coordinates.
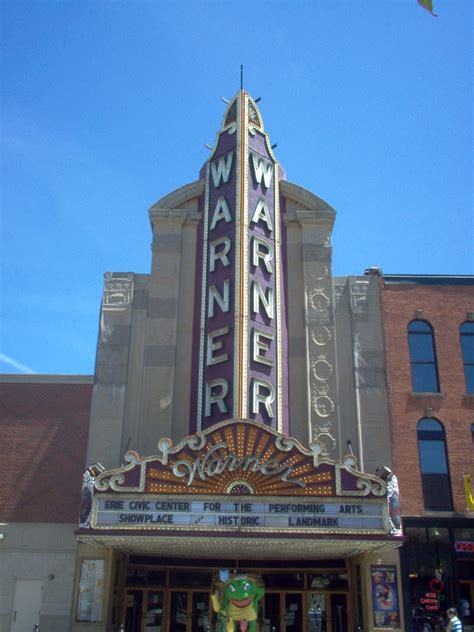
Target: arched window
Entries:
(424, 372)
(434, 467)
(467, 345)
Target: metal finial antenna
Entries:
(241, 77)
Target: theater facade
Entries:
(239, 420)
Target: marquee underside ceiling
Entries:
(243, 548)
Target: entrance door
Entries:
(294, 613)
(178, 613)
(133, 610)
(157, 610)
(339, 612)
(153, 611)
(283, 612)
(466, 594)
(200, 615)
(305, 612)
(26, 605)
(271, 614)
(144, 610)
(189, 611)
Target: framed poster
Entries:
(385, 605)
(91, 591)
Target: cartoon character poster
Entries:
(385, 596)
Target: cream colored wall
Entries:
(143, 366)
(361, 369)
(87, 552)
(365, 561)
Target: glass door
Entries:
(339, 615)
(271, 612)
(293, 612)
(466, 595)
(317, 612)
(133, 610)
(153, 615)
(178, 615)
(200, 616)
(283, 612)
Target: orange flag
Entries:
(428, 5)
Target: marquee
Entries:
(238, 476)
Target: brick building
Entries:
(429, 339)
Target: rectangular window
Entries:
(422, 357)
(433, 457)
(469, 373)
(436, 492)
(424, 377)
(467, 346)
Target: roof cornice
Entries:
(178, 197)
(303, 196)
(36, 378)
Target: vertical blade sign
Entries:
(240, 372)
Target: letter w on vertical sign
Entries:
(221, 169)
(262, 169)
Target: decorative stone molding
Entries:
(173, 219)
(118, 291)
(358, 291)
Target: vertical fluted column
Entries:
(320, 331)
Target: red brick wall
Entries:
(43, 440)
(445, 307)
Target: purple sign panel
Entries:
(218, 288)
(263, 289)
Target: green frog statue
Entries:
(236, 601)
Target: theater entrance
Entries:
(155, 610)
(172, 599)
(295, 611)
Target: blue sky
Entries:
(106, 106)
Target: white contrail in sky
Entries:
(16, 365)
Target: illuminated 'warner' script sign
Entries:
(212, 464)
